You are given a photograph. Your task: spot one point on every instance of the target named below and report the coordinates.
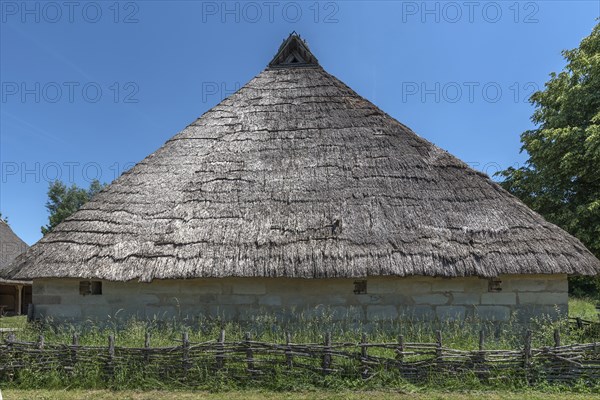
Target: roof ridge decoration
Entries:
(293, 52)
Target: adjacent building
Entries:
(15, 295)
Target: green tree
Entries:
(64, 201)
(561, 178)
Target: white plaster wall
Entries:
(244, 298)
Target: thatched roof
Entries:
(10, 247)
(296, 175)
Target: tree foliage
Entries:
(561, 179)
(64, 201)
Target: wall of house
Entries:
(422, 298)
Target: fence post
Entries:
(438, 351)
(479, 359)
(249, 354)
(438, 340)
(579, 323)
(111, 356)
(288, 350)
(527, 356)
(147, 347)
(40, 343)
(400, 351)
(481, 340)
(220, 354)
(327, 354)
(556, 338)
(185, 349)
(364, 356)
(9, 347)
(75, 344)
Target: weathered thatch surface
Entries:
(10, 247)
(296, 175)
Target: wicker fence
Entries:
(191, 363)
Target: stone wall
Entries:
(242, 298)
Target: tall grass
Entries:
(463, 334)
(459, 334)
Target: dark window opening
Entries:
(360, 287)
(90, 287)
(494, 285)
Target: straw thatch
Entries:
(10, 247)
(296, 175)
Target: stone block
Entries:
(270, 300)
(236, 299)
(205, 299)
(432, 299)
(450, 313)
(466, 298)
(381, 313)
(250, 313)
(352, 313)
(499, 298)
(529, 312)
(46, 299)
(493, 313)
(382, 286)
(67, 311)
(202, 288)
(99, 313)
(560, 284)
(155, 287)
(62, 287)
(160, 312)
(416, 313)
(410, 286)
(249, 287)
(448, 285)
(368, 298)
(524, 285)
(296, 300)
(548, 298)
(475, 285)
(40, 311)
(223, 311)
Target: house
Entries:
(15, 295)
(292, 195)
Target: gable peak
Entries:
(293, 52)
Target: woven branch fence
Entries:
(191, 363)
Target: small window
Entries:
(90, 287)
(360, 287)
(494, 285)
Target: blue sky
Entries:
(89, 88)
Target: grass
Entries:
(584, 308)
(266, 395)
(268, 328)
(457, 334)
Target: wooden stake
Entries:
(288, 351)
(364, 356)
(249, 354)
(327, 354)
(185, 352)
(220, 354)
